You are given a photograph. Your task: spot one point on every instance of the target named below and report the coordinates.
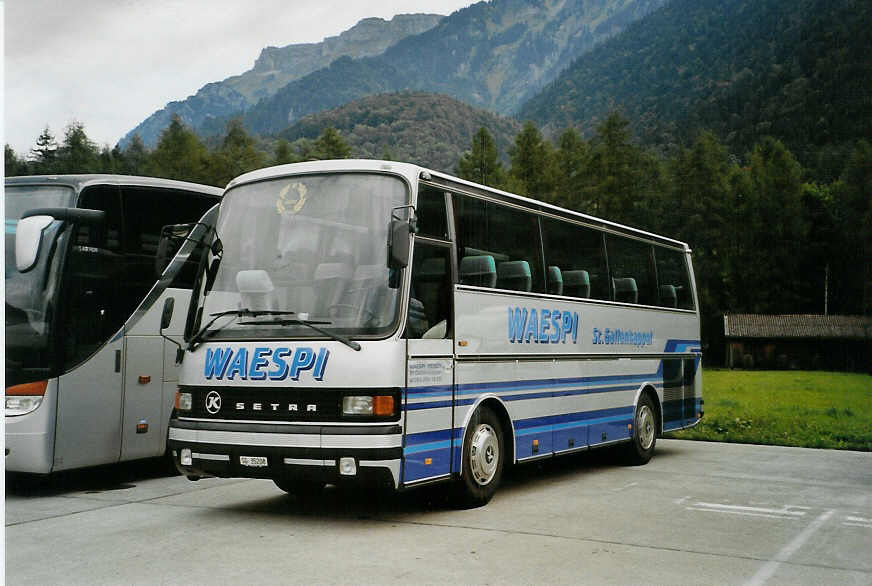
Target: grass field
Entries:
(786, 408)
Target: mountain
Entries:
(431, 129)
(491, 54)
(277, 66)
(795, 69)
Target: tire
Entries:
(301, 487)
(641, 447)
(483, 459)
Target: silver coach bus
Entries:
(89, 379)
(359, 319)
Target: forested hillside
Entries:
(431, 130)
(794, 69)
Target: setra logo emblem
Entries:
(213, 402)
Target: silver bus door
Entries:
(88, 429)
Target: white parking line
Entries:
(769, 569)
(785, 512)
(851, 521)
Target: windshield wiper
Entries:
(244, 312)
(302, 322)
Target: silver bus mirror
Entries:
(28, 238)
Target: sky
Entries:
(109, 64)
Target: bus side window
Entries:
(673, 277)
(430, 303)
(432, 220)
(577, 253)
(509, 237)
(631, 268)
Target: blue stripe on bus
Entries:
(505, 388)
(567, 420)
(474, 388)
(427, 447)
(433, 391)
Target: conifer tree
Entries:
(481, 163)
(135, 157)
(331, 145)
(44, 153)
(532, 161)
(236, 155)
(14, 166)
(77, 153)
(572, 160)
(283, 154)
(179, 154)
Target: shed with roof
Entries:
(819, 342)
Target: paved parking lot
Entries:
(698, 513)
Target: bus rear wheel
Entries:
(641, 447)
(482, 467)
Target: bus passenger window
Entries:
(507, 236)
(630, 265)
(430, 210)
(430, 299)
(674, 278)
(578, 251)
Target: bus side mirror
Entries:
(28, 238)
(167, 316)
(28, 233)
(398, 238)
(398, 251)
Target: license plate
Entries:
(254, 461)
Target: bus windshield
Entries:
(29, 295)
(307, 248)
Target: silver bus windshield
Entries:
(304, 248)
(29, 295)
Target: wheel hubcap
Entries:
(645, 425)
(484, 454)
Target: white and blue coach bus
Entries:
(89, 379)
(369, 319)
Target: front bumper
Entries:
(218, 448)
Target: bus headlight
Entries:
(22, 399)
(372, 405)
(184, 401)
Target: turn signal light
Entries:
(383, 405)
(25, 398)
(30, 389)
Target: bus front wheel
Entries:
(641, 447)
(482, 467)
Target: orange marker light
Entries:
(29, 389)
(383, 405)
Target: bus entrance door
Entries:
(429, 409)
(89, 407)
(141, 429)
